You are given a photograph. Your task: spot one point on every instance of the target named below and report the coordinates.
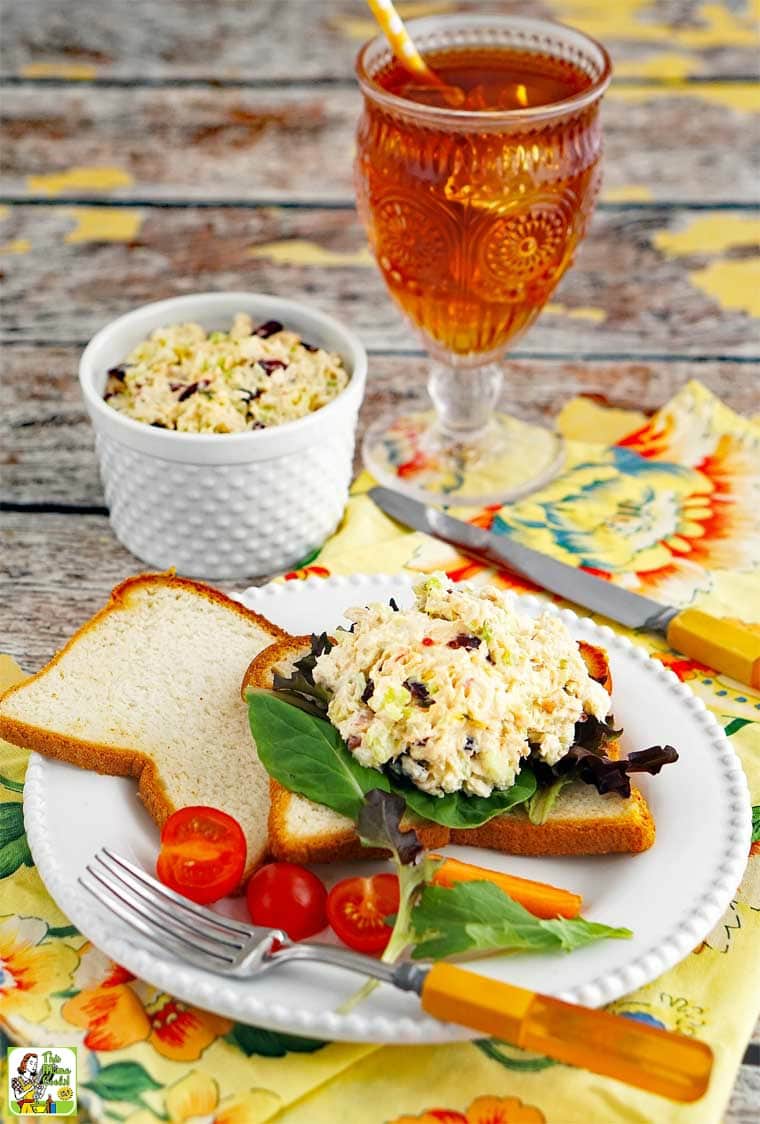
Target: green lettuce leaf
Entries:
(543, 800)
(479, 917)
(307, 755)
(457, 809)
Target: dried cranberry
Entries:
(465, 641)
(250, 395)
(419, 692)
(428, 641)
(353, 742)
(270, 365)
(267, 329)
(193, 387)
(114, 382)
(368, 691)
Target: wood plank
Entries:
(55, 571)
(242, 144)
(623, 296)
(232, 39)
(47, 439)
(744, 1105)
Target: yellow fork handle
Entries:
(730, 646)
(638, 1054)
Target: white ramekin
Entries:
(226, 505)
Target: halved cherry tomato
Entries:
(287, 896)
(357, 908)
(202, 854)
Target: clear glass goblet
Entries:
(473, 217)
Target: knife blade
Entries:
(727, 645)
(569, 582)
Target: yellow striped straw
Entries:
(401, 41)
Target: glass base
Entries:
(510, 459)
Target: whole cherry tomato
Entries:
(287, 896)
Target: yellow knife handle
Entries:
(730, 646)
(638, 1054)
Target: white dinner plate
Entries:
(670, 896)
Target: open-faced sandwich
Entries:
(495, 728)
(457, 720)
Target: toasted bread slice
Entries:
(581, 822)
(149, 688)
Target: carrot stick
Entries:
(539, 898)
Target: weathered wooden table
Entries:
(164, 146)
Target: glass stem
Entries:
(464, 400)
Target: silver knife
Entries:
(729, 646)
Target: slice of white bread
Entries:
(581, 822)
(150, 688)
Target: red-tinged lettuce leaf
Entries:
(608, 774)
(592, 733)
(300, 685)
(379, 825)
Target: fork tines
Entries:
(168, 919)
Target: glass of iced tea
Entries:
(475, 195)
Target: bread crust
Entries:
(285, 649)
(511, 833)
(514, 834)
(330, 847)
(97, 756)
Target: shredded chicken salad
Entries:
(455, 692)
(251, 377)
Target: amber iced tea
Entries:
(472, 224)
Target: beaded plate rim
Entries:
(237, 997)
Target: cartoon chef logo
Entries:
(29, 1084)
(41, 1082)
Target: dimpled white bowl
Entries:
(224, 505)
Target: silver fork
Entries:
(218, 944)
(633, 1052)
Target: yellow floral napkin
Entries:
(668, 506)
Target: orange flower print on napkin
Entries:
(116, 1010)
(307, 572)
(650, 524)
(483, 1110)
(698, 431)
(682, 666)
(30, 970)
(195, 1097)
